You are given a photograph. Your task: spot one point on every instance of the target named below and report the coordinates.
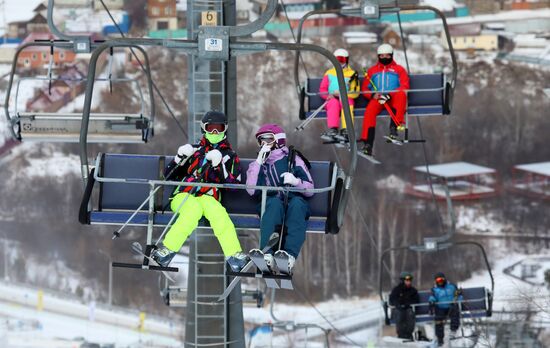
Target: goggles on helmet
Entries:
(266, 138)
(342, 59)
(214, 127)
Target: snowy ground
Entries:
(68, 319)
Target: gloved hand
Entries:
(384, 98)
(215, 157)
(184, 151)
(290, 179)
(263, 154)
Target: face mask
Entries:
(385, 61)
(214, 138)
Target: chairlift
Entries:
(429, 94)
(132, 192)
(477, 301)
(31, 125)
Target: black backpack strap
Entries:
(306, 161)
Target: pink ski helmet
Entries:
(276, 130)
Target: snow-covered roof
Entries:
(19, 10)
(455, 169)
(542, 168)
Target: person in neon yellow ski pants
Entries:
(191, 212)
(215, 162)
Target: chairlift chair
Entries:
(429, 94)
(477, 301)
(31, 125)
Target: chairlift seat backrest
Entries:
(421, 103)
(475, 304)
(116, 200)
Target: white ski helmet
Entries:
(341, 53)
(384, 49)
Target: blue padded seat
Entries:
(474, 305)
(428, 103)
(118, 200)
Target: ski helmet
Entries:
(406, 276)
(214, 118)
(342, 55)
(278, 133)
(384, 49)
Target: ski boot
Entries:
(270, 262)
(453, 335)
(285, 262)
(330, 135)
(367, 150)
(237, 261)
(343, 136)
(163, 256)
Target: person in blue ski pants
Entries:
(271, 168)
(444, 304)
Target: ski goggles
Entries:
(266, 138)
(440, 280)
(214, 127)
(342, 59)
(410, 278)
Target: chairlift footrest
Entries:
(259, 275)
(145, 267)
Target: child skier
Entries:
(389, 82)
(271, 168)
(214, 161)
(444, 302)
(330, 92)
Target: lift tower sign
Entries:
(209, 18)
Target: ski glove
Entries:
(290, 179)
(263, 154)
(184, 151)
(384, 98)
(215, 157)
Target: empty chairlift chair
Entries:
(41, 119)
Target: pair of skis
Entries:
(263, 271)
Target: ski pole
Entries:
(116, 233)
(291, 160)
(310, 118)
(169, 224)
(392, 115)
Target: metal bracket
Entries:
(213, 42)
(370, 9)
(82, 44)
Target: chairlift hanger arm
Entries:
(61, 35)
(89, 93)
(419, 248)
(482, 249)
(191, 46)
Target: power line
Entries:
(143, 68)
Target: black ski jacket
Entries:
(403, 297)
